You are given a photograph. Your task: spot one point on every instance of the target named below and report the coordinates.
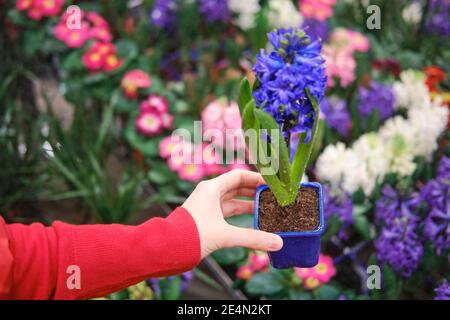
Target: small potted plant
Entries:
(284, 101)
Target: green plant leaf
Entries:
(327, 292)
(245, 95)
(392, 284)
(230, 256)
(265, 284)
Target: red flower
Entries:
(93, 60)
(112, 62)
(435, 75)
(133, 80)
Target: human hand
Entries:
(213, 200)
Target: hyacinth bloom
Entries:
(376, 97)
(337, 115)
(443, 291)
(149, 123)
(134, 80)
(163, 14)
(284, 73)
(214, 10)
(225, 118)
(317, 9)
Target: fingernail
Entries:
(275, 243)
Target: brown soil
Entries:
(302, 215)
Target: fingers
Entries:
(240, 192)
(253, 239)
(236, 179)
(237, 206)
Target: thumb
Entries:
(253, 239)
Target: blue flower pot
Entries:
(300, 249)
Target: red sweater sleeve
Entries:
(108, 257)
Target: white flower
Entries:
(411, 92)
(428, 124)
(246, 11)
(412, 13)
(283, 14)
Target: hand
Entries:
(213, 200)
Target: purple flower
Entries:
(336, 115)
(393, 205)
(293, 65)
(399, 246)
(436, 193)
(438, 19)
(157, 283)
(316, 29)
(444, 168)
(163, 13)
(376, 97)
(339, 204)
(214, 10)
(398, 243)
(443, 291)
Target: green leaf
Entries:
(361, 223)
(327, 292)
(297, 294)
(268, 122)
(245, 95)
(265, 284)
(230, 256)
(392, 284)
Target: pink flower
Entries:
(222, 124)
(134, 80)
(157, 103)
(100, 33)
(112, 62)
(350, 40)
(148, 124)
(97, 20)
(311, 283)
(359, 41)
(73, 38)
(169, 145)
(50, 8)
(259, 260)
(245, 272)
(92, 60)
(167, 120)
(104, 48)
(35, 13)
(317, 9)
(317, 275)
(191, 172)
(238, 164)
(22, 5)
(325, 269)
(339, 64)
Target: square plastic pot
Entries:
(300, 249)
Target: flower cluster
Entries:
(398, 244)
(319, 274)
(245, 11)
(38, 9)
(317, 9)
(390, 150)
(438, 19)
(101, 56)
(153, 116)
(91, 26)
(163, 14)
(295, 64)
(378, 97)
(283, 14)
(338, 53)
(336, 115)
(411, 92)
(134, 80)
(317, 29)
(340, 204)
(140, 291)
(436, 193)
(221, 124)
(193, 162)
(443, 291)
(214, 10)
(257, 261)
